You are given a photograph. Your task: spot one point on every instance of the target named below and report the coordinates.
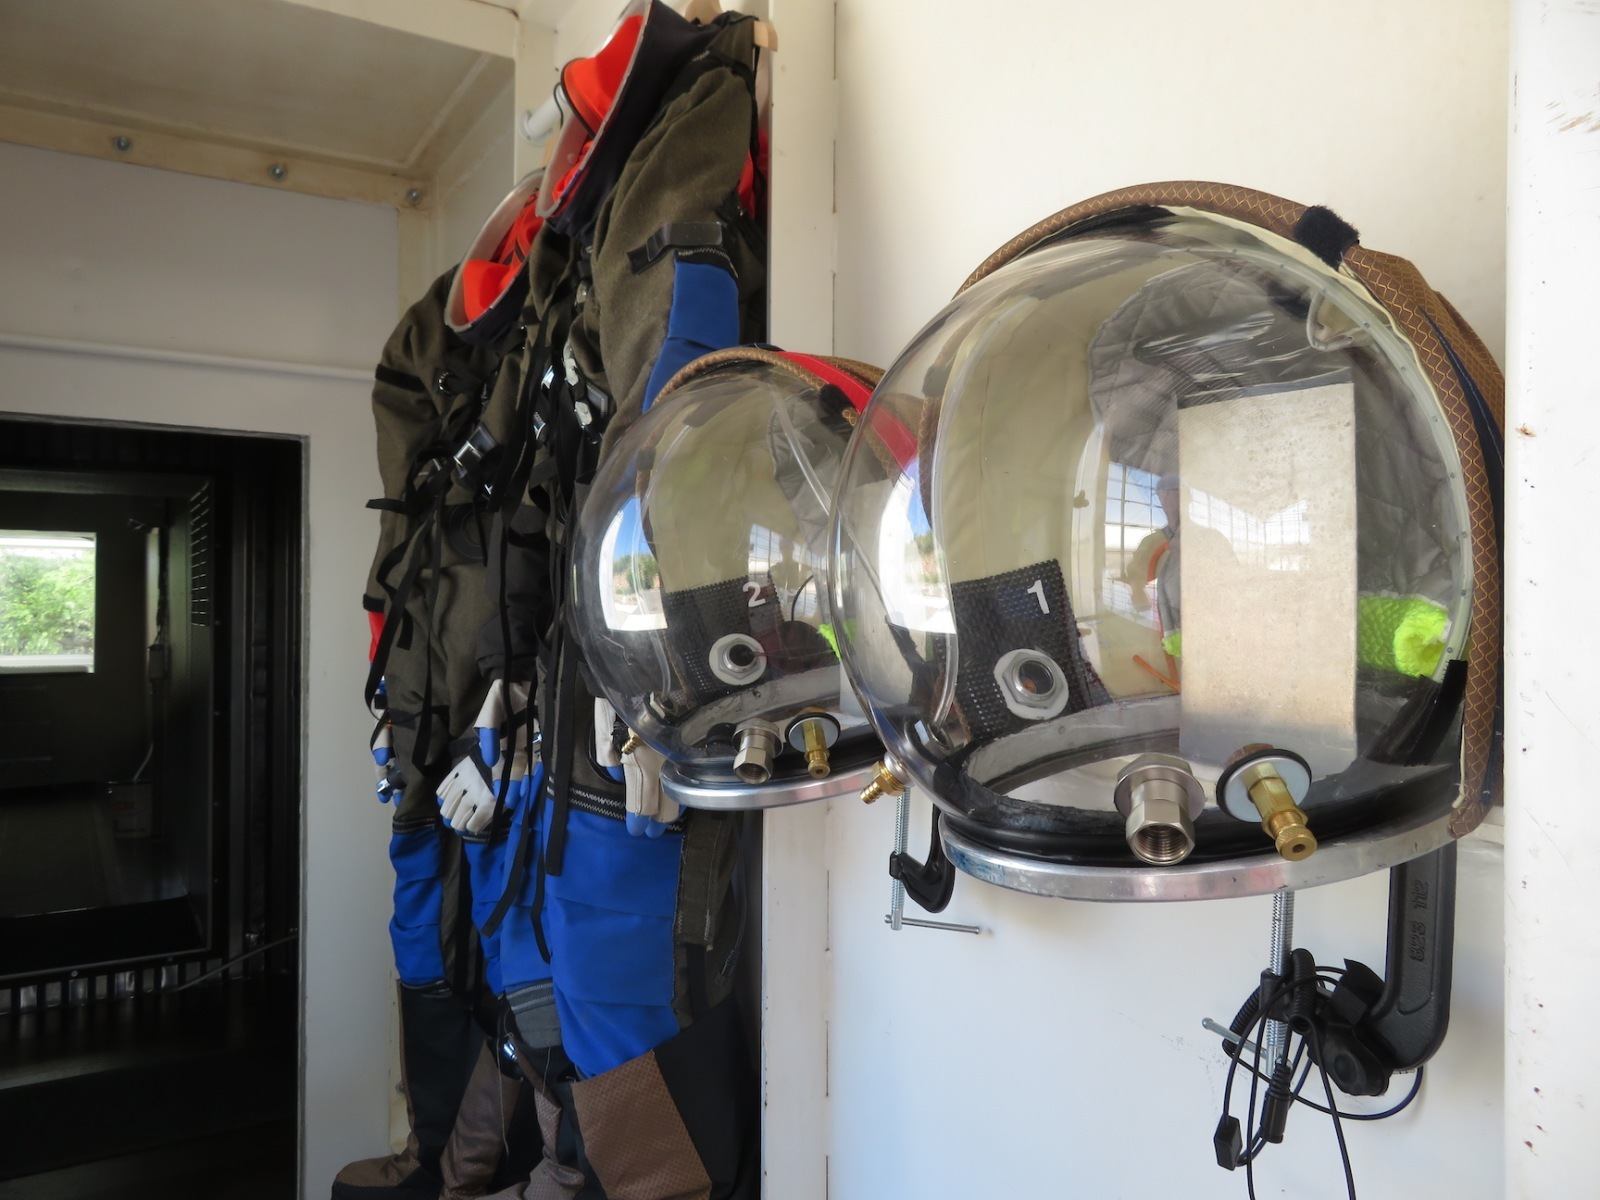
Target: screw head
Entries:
(413, 196)
(278, 171)
(122, 143)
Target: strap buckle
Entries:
(675, 235)
(429, 471)
(470, 456)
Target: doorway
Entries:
(150, 784)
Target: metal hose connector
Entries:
(1160, 798)
(756, 746)
(887, 782)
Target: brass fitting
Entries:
(812, 734)
(885, 783)
(1283, 819)
(633, 743)
(816, 750)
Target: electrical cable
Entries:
(1405, 1102)
(1399, 1107)
(144, 762)
(794, 603)
(236, 960)
(1333, 1109)
(1249, 1024)
(1250, 1113)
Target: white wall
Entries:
(148, 260)
(1060, 1054)
(472, 180)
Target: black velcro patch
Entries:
(1326, 234)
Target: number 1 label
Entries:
(1037, 592)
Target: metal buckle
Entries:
(470, 455)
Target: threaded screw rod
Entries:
(897, 889)
(1277, 1038)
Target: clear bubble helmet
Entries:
(1166, 556)
(701, 596)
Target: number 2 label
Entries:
(753, 590)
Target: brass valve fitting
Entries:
(886, 782)
(812, 735)
(1267, 785)
(1281, 817)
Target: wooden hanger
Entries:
(707, 11)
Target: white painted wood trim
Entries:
(195, 155)
(795, 971)
(1552, 492)
(188, 358)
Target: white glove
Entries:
(650, 810)
(467, 794)
(605, 719)
(504, 701)
(467, 799)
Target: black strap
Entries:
(511, 489)
(457, 940)
(565, 740)
(408, 552)
(423, 500)
(517, 871)
(398, 379)
(419, 747)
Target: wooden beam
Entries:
(216, 160)
(475, 24)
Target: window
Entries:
(1135, 531)
(46, 601)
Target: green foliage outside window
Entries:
(46, 595)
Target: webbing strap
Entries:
(423, 499)
(561, 766)
(517, 471)
(407, 552)
(517, 869)
(419, 747)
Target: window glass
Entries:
(46, 601)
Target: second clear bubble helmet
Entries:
(701, 594)
(1172, 540)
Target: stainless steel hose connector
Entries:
(1160, 798)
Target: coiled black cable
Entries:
(1294, 999)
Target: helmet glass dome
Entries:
(1168, 485)
(701, 556)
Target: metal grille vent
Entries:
(201, 577)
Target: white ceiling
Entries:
(258, 73)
